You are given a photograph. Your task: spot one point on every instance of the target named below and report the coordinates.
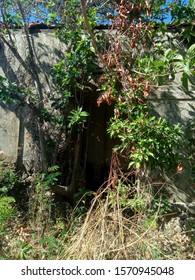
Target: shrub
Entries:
(7, 212)
(9, 179)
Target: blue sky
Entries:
(168, 1)
(168, 19)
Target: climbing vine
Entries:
(136, 64)
(137, 54)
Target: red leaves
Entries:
(146, 90)
(107, 98)
(129, 37)
(109, 60)
(132, 44)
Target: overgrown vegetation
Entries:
(126, 218)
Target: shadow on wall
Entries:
(22, 114)
(27, 153)
(178, 107)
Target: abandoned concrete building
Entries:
(16, 124)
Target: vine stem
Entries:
(84, 12)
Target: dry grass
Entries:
(109, 233)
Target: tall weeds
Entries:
(112, 232)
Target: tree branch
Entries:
(83, 6)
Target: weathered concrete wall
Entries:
(47, 48)
(178, 106)
(16, 125)
(9, 131)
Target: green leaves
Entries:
(188, 68)
(191, 4)
(191, 51)
(7, 212)
(9, 91)
(161, 67)
(73, 73)
(44, 181)
(146, 139)
(77, 117)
